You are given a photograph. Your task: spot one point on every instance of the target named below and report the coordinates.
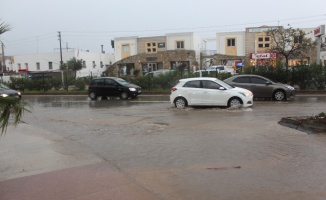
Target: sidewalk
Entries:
(35, 166)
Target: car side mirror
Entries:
(221, 88)
(268, 83)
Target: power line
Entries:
(104, 34)
(187, 28)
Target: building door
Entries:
(151, 67)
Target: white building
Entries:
(190, 40)
(148, 54)
(93, 63)
(129, 46)
(231, 43)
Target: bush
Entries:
(55, 83)
(80, 83)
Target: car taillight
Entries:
(173, 89)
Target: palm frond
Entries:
(11, 107)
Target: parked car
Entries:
(7, 92)
(112, 86)
(206, 91)
(160, 72)
(205, 72)
(221, 69)
(262, 87)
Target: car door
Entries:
(192, 91)
(97, 86)
(242, 82)
(110, 87)
(212, 94)
(260, 88)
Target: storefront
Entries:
(258, 59)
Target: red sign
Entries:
(263, 55)
(320, 30)
(317, 31)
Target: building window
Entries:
(161, 45)
(151, 47)
(180, 44)
(84, 64)
(231, 42)
(38, 66)
(264, 42)
(94, 65)
(26, 65)
(101, 63)
(125, 48)
(297, 40)
(19, 66)
(50, 65)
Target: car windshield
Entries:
(268, 80)
(121, 81)
(225, 85)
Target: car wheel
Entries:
(279, 95)
(180, 102)
(235, 102)
(124, 95)
(92, 95)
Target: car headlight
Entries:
(4, 95)
(246, 94)
(132, 89)
(289, 87)
(19, 93)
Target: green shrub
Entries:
(80, 83)
(55, 83)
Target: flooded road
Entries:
(194, 153)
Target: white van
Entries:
(222, 69)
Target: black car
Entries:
(112, 86)
(262, 87)
(7, 92)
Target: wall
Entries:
(55, 58)
(141, 43)
(221, 42)
(118, 42)
(173, 37)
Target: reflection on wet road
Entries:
(196, 153)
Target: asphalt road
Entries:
(192, 153)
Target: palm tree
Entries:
(4, 27)
(10, 106)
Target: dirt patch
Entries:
(313, 124)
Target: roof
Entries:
(198, 78)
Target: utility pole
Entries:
(60, 49)
(3, 57)
(61, 63)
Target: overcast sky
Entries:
(88, 24)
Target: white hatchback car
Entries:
(205, 91)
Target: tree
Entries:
(10, 106)
(289, 43)
(3, 28)
(74, 65)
